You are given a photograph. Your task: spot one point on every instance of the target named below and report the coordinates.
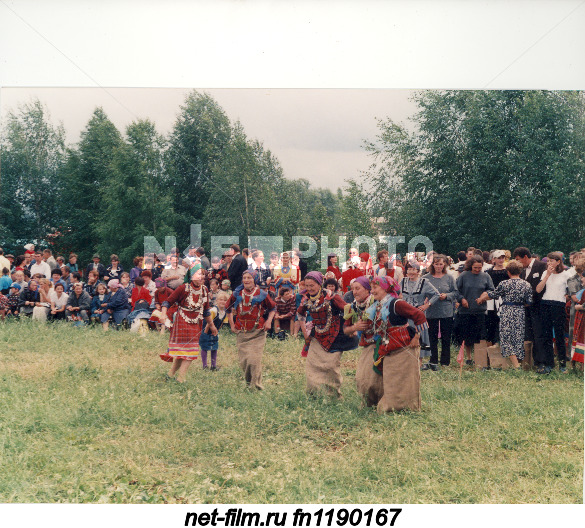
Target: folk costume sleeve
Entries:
(410, 312)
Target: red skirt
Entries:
(184, 340)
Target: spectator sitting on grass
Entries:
(58, 300)
(28, 298)
(117, 307)
(78, 304)
(99, 302)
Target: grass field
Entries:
(87, 417)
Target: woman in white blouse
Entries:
(554, 283)
(58, 299)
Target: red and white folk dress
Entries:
(193, 307)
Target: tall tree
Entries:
(135, 202)
(200, 135)
(88, 172)
(32, 157)
(244, 201)
(484, 168)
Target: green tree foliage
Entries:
(135, 203)
(243, 201)
(200, 135)
(32, 157)
(88, 172)
(485, 168)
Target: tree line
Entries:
(492, 169)
(110, 190)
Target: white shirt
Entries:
(556, 286)
(43, 268)
(529, 267)
(59, 301)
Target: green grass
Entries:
(87, 417)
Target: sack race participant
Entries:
(327, 340)
(396, 350)
(358, 322)
(246, 308)
(193, 306)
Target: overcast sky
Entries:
(300, 49)
(315, 134)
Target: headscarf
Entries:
(192, 270)
(254, 274)
(316, 276)
(160, 282)
(364, 281)
(388, 284)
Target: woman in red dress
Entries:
(249, 303)
(193, 306)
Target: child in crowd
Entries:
(225, 286)
(213, 291)
(13, 298)
(99, 302)
(285, 312)
(209, 342)
(5, 281)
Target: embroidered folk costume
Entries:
(356, 314)
(393, 383)
(193, 306)
(326, 341)
(246, 308)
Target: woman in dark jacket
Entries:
(117, 306)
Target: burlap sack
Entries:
(496, 359)
(401, 379)
(480, 354)
(369, 384)
(528, 362)
(323, 370)
(250, 347)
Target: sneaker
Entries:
(281, 335)
(563, 369)
(543, 370)
(434, 367)
(425, 366)
(469, 362)
(215, 368)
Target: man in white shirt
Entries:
(40, 266)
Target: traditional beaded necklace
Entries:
(195, 300)
(313, 305)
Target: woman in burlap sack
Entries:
(327, 340)
(358, 322)
(396, 350)
(249, 303)
(193, 302)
